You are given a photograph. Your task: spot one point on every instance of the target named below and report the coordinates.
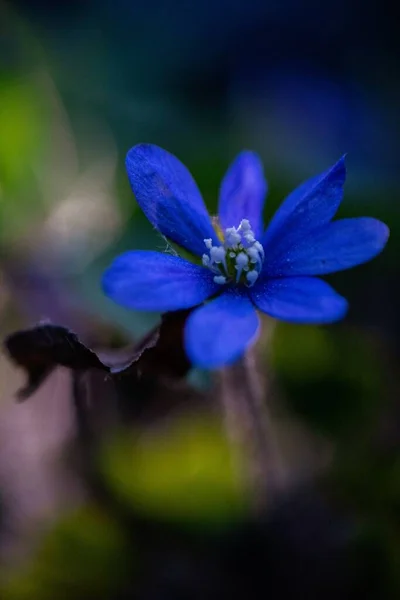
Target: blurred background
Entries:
(301, 83)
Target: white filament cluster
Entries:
(240, 258)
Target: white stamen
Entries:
(259, 247)
(217, 254)
(245, 225)
(232, 237)
(252, 277)
(242, 261)
(220, 279)
(245, 256)
(205, 259)
(253, 254)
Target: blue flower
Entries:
(243, 268)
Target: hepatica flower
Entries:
(243, 267)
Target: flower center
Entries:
(239, 259)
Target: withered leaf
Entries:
(40, 349)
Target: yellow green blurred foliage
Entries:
(181, 472)
(24, 130)
(83, 557)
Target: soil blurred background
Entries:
(301, 83)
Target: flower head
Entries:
(243, 267)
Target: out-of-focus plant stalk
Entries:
(244, 399)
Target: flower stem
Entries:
(250, 428)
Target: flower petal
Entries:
(153, 281)
(218, 333)
(169, 197)
(308, 207)
(243, 192)
(299, 300)
(339, 245)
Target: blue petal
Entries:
(243, 192)
(299, 300)
(339, 245)
(310, 206)
(153, 281)
(169, 197)
(218, 333)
